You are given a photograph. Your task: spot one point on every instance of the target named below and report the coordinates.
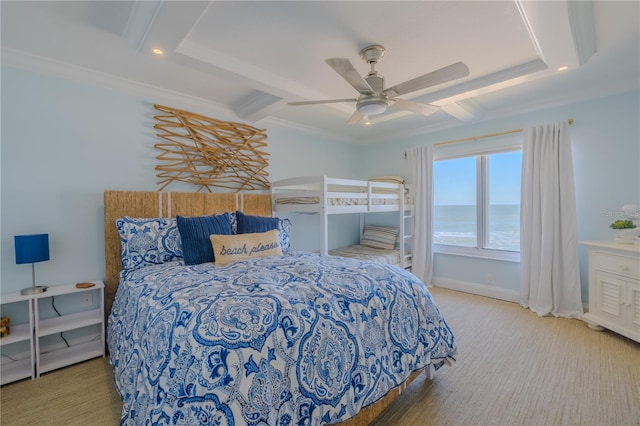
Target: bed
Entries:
(358, 251)
(377, 244)
(296, 338)
(328, 196)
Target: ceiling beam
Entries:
(258, 105)
(582, 29)
(141, 18)
(467, 110)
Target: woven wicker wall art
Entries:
(208, 152)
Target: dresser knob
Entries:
(623, 267)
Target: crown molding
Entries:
(315, 131)
(48, 66)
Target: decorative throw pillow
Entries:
(148, 241)
(231, 248)
(382, 237)
(250, 224)
(195, 232)
(284, 226)
(234, 222)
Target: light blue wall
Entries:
(64, 143)
(606, 157)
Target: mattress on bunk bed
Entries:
(358, 251)
(352, 201)
(336, 201)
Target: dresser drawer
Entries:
(617, 264)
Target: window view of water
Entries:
(456, 225)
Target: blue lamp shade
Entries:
(31, 248)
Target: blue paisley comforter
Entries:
(292, 340)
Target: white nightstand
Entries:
(21, 363)
(40, 326)
(614, 287)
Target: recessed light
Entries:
(563, 68)
(157, 51)
(367, 123)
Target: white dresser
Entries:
(614, 287)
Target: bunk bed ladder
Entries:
(324, 219)
(405, 259)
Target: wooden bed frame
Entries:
(169, 204)
(165, 204)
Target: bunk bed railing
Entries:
(316, 182)
(318, 194)
(330, 188)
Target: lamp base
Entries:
(34, 290)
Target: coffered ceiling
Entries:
(251, 58)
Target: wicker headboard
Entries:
(165, 204)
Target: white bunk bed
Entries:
(328, 196)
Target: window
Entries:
(477, 204)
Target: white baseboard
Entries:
(479, 289)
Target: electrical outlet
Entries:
(87, 300)
(489, 278)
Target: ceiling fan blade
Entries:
(448, 73)
(404, 105)
(356, 117)
(328, 101)
(346, 70)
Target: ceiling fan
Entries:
(374, 98)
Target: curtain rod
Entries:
(488, 135)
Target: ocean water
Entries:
(456, 225)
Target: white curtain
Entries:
(550, 280)
(421, 169)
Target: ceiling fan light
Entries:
(372, 107)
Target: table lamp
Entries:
(32, 249)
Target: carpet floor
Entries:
(513, 368)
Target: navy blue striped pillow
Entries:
(195, 232)
(251, 224)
